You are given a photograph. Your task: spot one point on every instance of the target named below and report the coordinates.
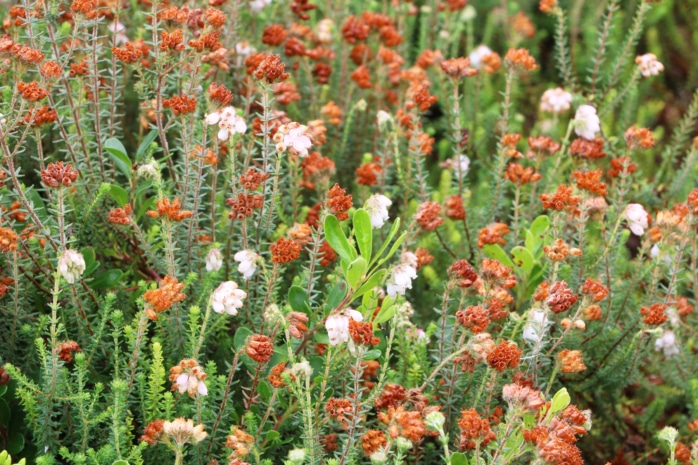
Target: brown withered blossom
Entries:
(59, 175)
(590, 181)
(497, 274)
(333, 113)
(520, 59)
(220, 94)
(373, 441)
(129, 53)
(171, 41)
(275, 375)
(31, 92)
(338, 202)
(621, 165)
(168, 293)
(271, 69)
(474, 430)
(560, 297)
(474, 317)
(39, 116)
(244, 205)
(368, 173)
(260, 348)
(51, 70)
(65, 350)
(169, 210)
(519, 175)
(505, 355)
(338, 408)
(297, 324)
(120, 215)
(180, 105)
(639, 138)
(457, 68)
(557, 251)
(355, 29)
(588, 149)
(285, 250)
(153, 432)
(547, 6)
(328, 254)
(274, 34)
(361, 332)
(595, 290)
(561, 199)
(493, 234)
(463, 273)
(362, 77)
(252, 179)
(654, 314)
(403, 423)
(455, 208)
(571, 361)
(428, 216)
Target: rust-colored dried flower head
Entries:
(274, 34)
(180, 105)
(153, 432)
(556, 252)
(519, 396)
(403, 423)
(547, 6)
(493, 234)
(59, 175)
(588, 149)
(285, 250)
(428, 216)
(474, 430)
(169, 210)
(8, 240)
(560, 298)
(373, 441)
(220, 94)
(421, 97)
(561, 199)
(505, 355)
(521, 60)
(241, 443)
(252, 179)
(639, 138)
(455, 208)
(621, 165)
(171, 41)
(338, 408)
(167, 294)
(458, 68)
(244, 205)
(31, 92)
(65, 350)
(368, 173)
(474, 317)
(328, 254)
(355, 29)
(590, 181)
(120, 215)
(519, 175)
(463, 273)
(595, 290)
(271, 69)
(129, 53)
(260, 348)
(333, 112)
(301, 233)
(654, 314)
(297, 324)
(51, 70)
(497, 274)
(571, 361)
(338, 202)
(361, 332)
(275, 375)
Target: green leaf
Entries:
(337, 240)
(298, 299)
(88, 253)
(108, 279)
(363, 233)
(393, 249)
(38, 204)
(356, 271)
(523, 259)
(375, 280)
(119, 194)
(496, 252)
(15, 444)
(4, 413)
(240, 337)
(560, 401)
(384, 314)
(264, 390)
(337, 294)
(147, 140)
(372, 354)
(120, 462)
(457, 458)
(117, 152)
(540, 226)
(386, 243)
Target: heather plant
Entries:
(270, 231)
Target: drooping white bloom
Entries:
(71, 265)
(183, 431)
(382, 119)
(649, 65)
(228, 121)
(586, 122)
(227, 298)
(377, 207)
(214, 260)
(535, 326)
(476, 56)
(401, 279)
(258, 5)
(667, 343)
(248, 262)
(337, 325)
(293, 136)
(149, 170)
(188, 382)
(324, 30)
(119, 29)
(555, 100)
(637, 218)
